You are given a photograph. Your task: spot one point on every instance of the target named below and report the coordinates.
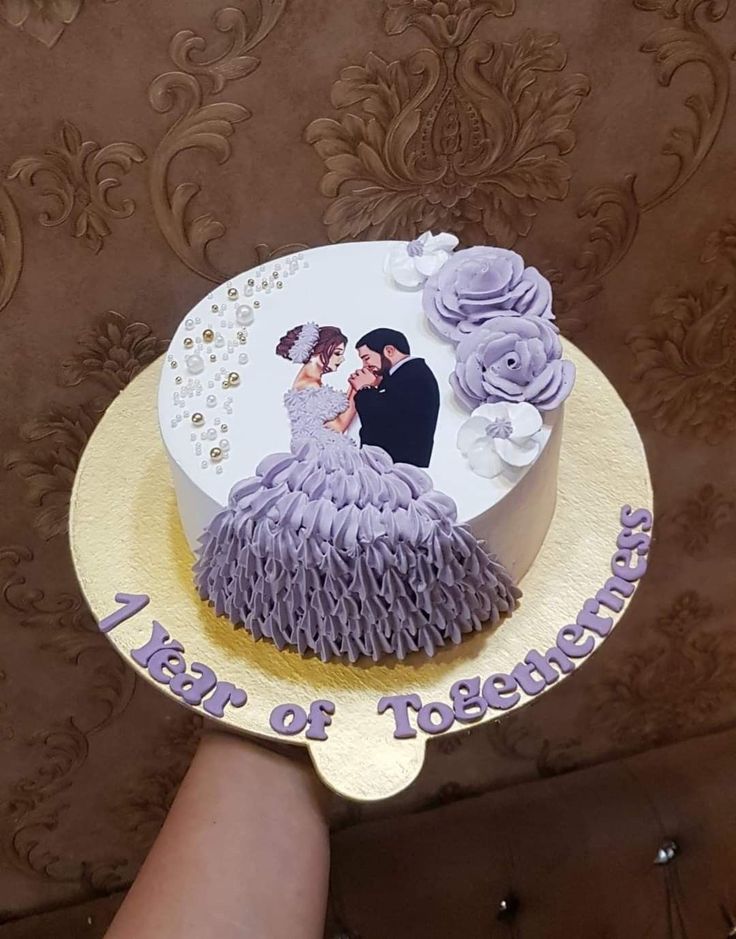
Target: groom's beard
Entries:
(385, 367)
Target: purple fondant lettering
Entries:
(620, 565)
(528, 682)
(634, 540)
(288, 719)
(319, 719)
(500, 692)
(157, 642)
(600, 625)
(443, 711)
(606, 597)
(132, 603)
(543, 664)
(467, 701)
(190, 689)
(224, 693)
(639, 518)
(165, 665)
(568, 641)
(400, 704)
(538, 670)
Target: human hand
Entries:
(363, 378)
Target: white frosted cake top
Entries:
(337, 285)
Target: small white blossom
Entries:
(499, 435)
(410, 264)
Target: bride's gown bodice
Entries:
(309, 409)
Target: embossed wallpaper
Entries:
(148, 150)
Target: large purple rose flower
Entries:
(513, 358)
(475, 285)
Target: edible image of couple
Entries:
(394, 393)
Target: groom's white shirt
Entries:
(399, 364)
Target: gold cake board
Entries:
(126, 537)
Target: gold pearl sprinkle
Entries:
(256, 303)
(173, 364)
(242, 336)
(264, 283)
(226, 384)
(223, 428)
(279, 284)
(188, 342)
(275, 275)
(208, 335)
(213, 357)
(214, 308)
(178, 379)
(251, 282)
(197, 418)
(232, 294)
(234, 379)
(216, 454)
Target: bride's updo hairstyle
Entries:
(330, 337)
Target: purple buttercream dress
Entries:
(341, 551)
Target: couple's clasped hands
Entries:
(363, 378)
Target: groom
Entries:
(397, 398)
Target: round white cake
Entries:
(222, 406)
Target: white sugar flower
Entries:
(498, 435)
(409, 264)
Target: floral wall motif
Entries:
(467, 137)
(70, 175)
(44, 20)
(598, 139)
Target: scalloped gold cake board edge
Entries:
(126, 537)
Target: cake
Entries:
(364, 441)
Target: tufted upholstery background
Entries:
(147, 150)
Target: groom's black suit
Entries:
(401, 414)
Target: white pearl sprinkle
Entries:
(243, 358)
(203, 464)
(211, 433)
(218, 469)
(217, 420)
(197, 319)
(211, 401)
(224, 445)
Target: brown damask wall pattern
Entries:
(45, 20)
(70, 176)
(146, 153)
(464, 136)
(202, 126)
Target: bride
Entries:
(339, 550)
(319, 350)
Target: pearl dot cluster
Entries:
(207, 362)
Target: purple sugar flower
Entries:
(475, 285)
(512, 358)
